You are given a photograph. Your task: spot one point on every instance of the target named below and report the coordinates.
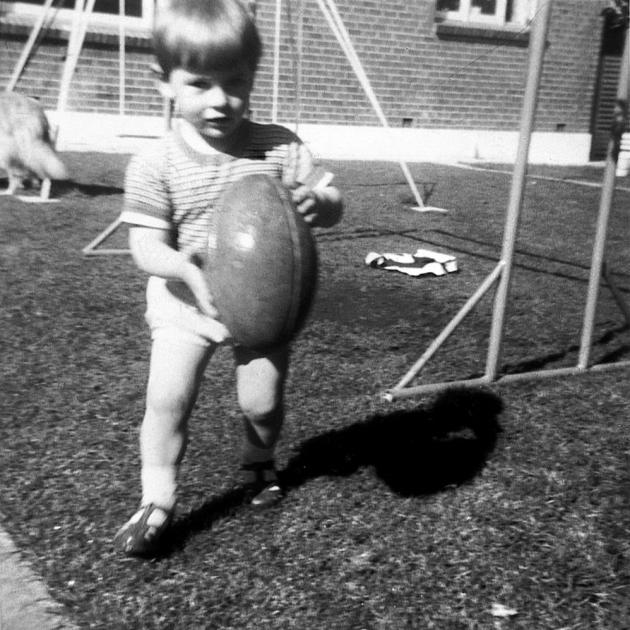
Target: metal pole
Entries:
(331, 13)
(90, 248)
(606, 199)
(72, 54)
(121, 57)
(28, 47)
(433, 388)
(536, 54)
(299, 61)
(276, 63)
(472, 301)
(75, 43)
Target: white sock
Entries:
(159, 486)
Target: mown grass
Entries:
(418, 514)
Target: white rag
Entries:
(421, 263)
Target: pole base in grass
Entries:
(427, 209)
(36, 199)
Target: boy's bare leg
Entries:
(174, 376)
(260, 388)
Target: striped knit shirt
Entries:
(173, 187)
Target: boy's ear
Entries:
(165, 89)
(163, 85)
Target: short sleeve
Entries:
(146, 201)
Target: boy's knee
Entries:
(162, 402)
(263, 425)
(260, 408)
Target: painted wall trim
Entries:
(111, 133)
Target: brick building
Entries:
(449, 75)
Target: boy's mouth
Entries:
(218, 122)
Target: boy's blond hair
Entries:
(205, 35)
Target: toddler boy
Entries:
(208, 52)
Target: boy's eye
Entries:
(200, 84)
(229, 83)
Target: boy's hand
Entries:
(298, 170)
(194, 279)
(305, 202)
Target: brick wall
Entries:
(437, 81)
(437, 78)
(95, 86)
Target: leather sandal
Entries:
(142, 533)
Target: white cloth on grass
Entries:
(422, 262)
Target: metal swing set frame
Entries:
(502, 273)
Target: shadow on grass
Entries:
(540, 363)
(415, 452)
(201, 519)
(73, 189)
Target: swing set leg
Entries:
(90, 248)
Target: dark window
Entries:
(133, 8)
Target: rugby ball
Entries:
(261, 263)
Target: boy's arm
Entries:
(152, 253)
(318, 201)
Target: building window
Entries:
(138, 13)
(489, 12)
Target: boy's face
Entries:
(214, 102)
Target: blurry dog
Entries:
(26, 151)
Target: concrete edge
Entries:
(25, 603)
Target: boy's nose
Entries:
(216, 97)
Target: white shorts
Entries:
(175, 320)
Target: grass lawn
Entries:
(419, 514)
